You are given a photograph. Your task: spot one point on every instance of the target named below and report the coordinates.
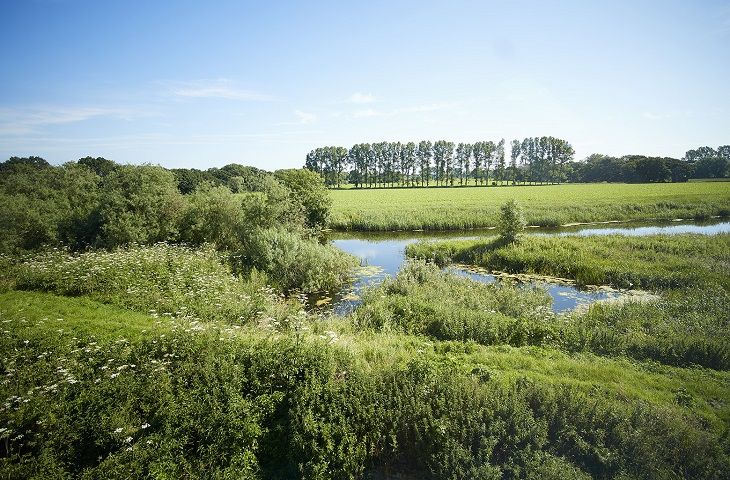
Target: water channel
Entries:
(383, 254)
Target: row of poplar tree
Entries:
(442, 163)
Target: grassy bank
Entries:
(549, 205)
(89, 398)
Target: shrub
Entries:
(511, 222)
(295, 263)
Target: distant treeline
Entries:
(532, 160)
(704, 162)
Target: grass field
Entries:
(548, 205)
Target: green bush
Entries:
(424, 300)
(511, 222)
(295, 263)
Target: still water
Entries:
(384, 254)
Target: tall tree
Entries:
(381, 160)
(500, 162)
(527, 153)
(339, 160)
(424, 154)
(443, 158)
(359, 160)
(514, 156)
(564, 155)
(488, 151)
(478, 153)
(463, 158)
(408, 162)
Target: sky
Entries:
(203, 84)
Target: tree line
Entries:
(533, 160)
(441, 163)
(700, 163)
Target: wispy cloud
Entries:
(361, 98)
(24, 120)
(50, 143)
(370, 112)
(305, 118)
(219, 88)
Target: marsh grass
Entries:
(684, 329)
(651, 262)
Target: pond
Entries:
(383, 254)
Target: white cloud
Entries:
(220, 88)
(23, 120)
(305, 118)
(361, 98)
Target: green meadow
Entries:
(454, 208)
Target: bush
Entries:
(423, 300)
(295, 263)
(511, 222)
(140, 205)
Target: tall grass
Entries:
(547, 206)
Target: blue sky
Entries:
(201, 84)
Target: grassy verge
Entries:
(549, 205)
(191, 400)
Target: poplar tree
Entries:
(424, 154)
